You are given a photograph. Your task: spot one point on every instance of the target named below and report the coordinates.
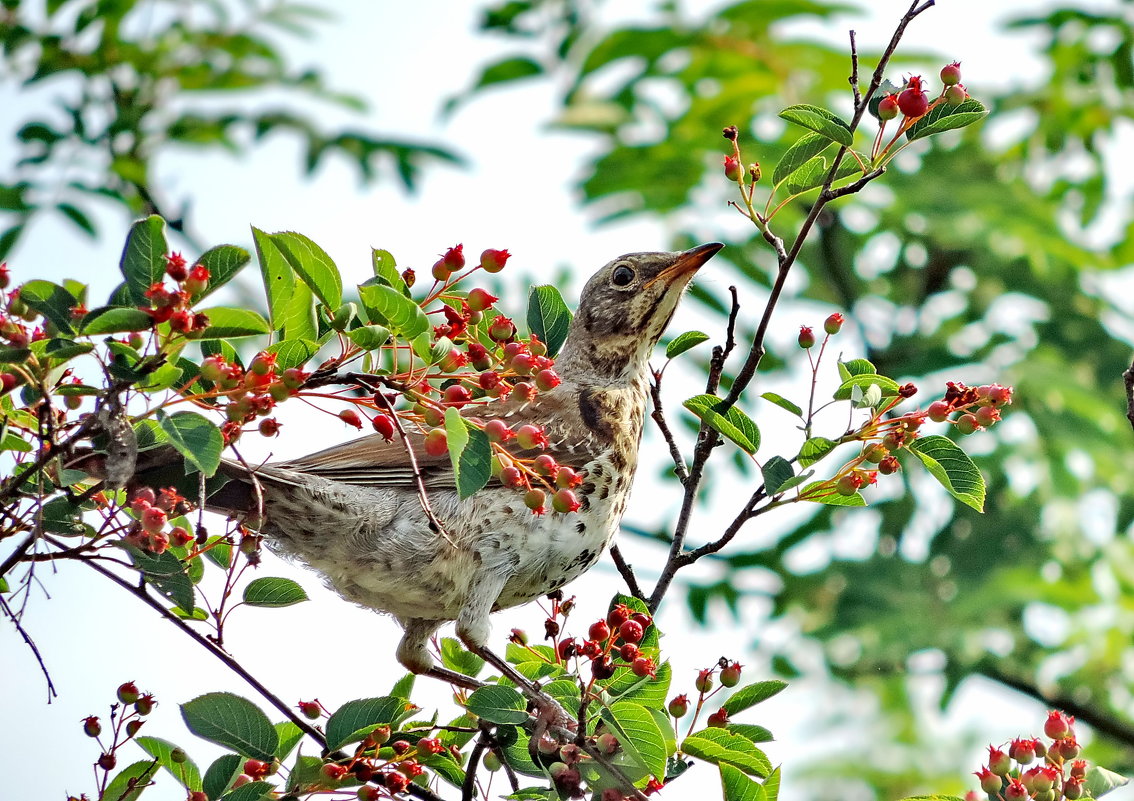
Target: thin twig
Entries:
(1127, 380)
(51, 692)
(854, 72)
(468, 786)
(658, 416)
(627, 573)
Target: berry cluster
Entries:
(151, 532)
(611, 643)
(729, 677)
(174, 305)
(250, 392)
(1059, 773)
(124, 724)
(913, 103)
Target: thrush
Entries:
(353, 512)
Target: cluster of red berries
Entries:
(913, 101)
(1059, 774)
(978, 407)
(612, 643)
(729, 677)
(173, 305)
(149, 532)
(832, 325)
(126, 724)
(378, 773)
(250, 392)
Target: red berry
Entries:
(430, 745)
(888, 107)
(521, 364)
(631, 631)
(834, 323)
(547, 379)
(91, 726)
(436, 442)
(989, 781)
(154, 519)
(310, 709)
(567, 478)
(145, 704)
(718, 719)
(293, 378)
(567, 649)
(530, 437)
(524, 391)
(732, 169)
(440, 270)
(848, 485)
(457, 395)
(602, 668)
(998, 761)
(1000, 396)
(545, 465)
(564, 501)
(913, 101)
(628, 652)
(498, 431)
(263, 363)
(8, 382)
(480, 300)
(730, 676)
(598, 631)
(351, 418)
(607, 743)
(132, 727)
(1073, 788)
(197, 281)
(269, 427)
(107, 761)
(951, 74)
(987, 415)
(255, 768)
(938, 411)
(502, 329)
(1022, 750)
(618, 614)
(806, 337)
(181, 321)
(679, 706)
(512, 477)
(493, 261)
(384, 426)
(488, 379)
(889, 466)
(454, 258)
(644, 666)
(334, 772)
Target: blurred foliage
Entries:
(1004, 256)
(126, 81)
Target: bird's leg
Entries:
(414, 654)
(453, 677)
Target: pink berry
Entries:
(437, 442)
(679, 706)
(547, 379)
(732, 169)
(153, 519)
(564, 501)
(480, 300)
(951, 74)
(888, 107)
(457, 395)
(351, 418)
(938, 411)
(530, 437)
(834, 323)
(956, 95)
(718, 719)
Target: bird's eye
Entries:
(623, 275)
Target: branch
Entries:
(1127, 379)
(854, 72)
(51, 692)
(658, 416)
(627, 573)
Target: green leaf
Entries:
(403, 687)
(293, 352)
(819, 120)
(469, 451)
(803, 150)
(52, 301)
(230, 323)
(735, 786)
(830, 496)
(1101, 781)
(223, 262)
(855, 367)
(508, 69)
(952, 467)
(772, 784)
(233, 722)
(143, 257)
(684, 342)
(815, 449)
(220, 774)
(355, 719)
(289, 735)
(733, 424)
(721, 747)
(777, 472)
(496, 704)
(297, 319)
(548, 317)
(814, 174)
(753, 694)
(783, 403)
(313, 266)
(279, 280)
(394, 310)
(166, 572)
(162, 378)
(945, 117)
(137, 776)
(386, 270)
(755, 734)
(369, 337)
(253, 791)
(114, 320)
(187, 773)
(196, 438)
(888, 386)
(456, 658)
(639, 734)
(273, 592)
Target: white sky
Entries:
(405, 58)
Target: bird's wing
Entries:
(373, 462)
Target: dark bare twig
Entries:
(51, 692)
(627, 573)
(1127, 380)
(854, 72)
(468, 786)
(658, 416)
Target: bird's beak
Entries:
(687, 263)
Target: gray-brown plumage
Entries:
(352, 512)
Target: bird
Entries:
(354, 514)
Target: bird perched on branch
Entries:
(354, 513)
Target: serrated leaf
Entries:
(944, 117)
(783, 403)
(470, 453)
(297, 318)
(803, 150)
(813, 174)
(114, 320)
(386, 270)
(735, 786)
(293, 352)
(233, 722)
(355, 719)
(819, 120)
(722, 747)
(230, 323)
(639, 734)
(369, 337)
(777, 473)
(313, 266)
(52, 301)
(753, 694)
(733, 424)
(548, 317)
(166, 572)
(253, 791)
(196, 438)
(289, 736)
(855, 367)
(456, 658)
(756, 734)
(501, 705)
(129, 783)
(392, 309)
(887, 386)
(684, 342)
(1101, 781)
(143, 258)
(187, 774)
(223, 262)
(220, 774)
(829, 495)
(772, 785)
(279, 280)
(952, 467)
(273, 592)
(815, 449)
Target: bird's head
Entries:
(623, 311)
